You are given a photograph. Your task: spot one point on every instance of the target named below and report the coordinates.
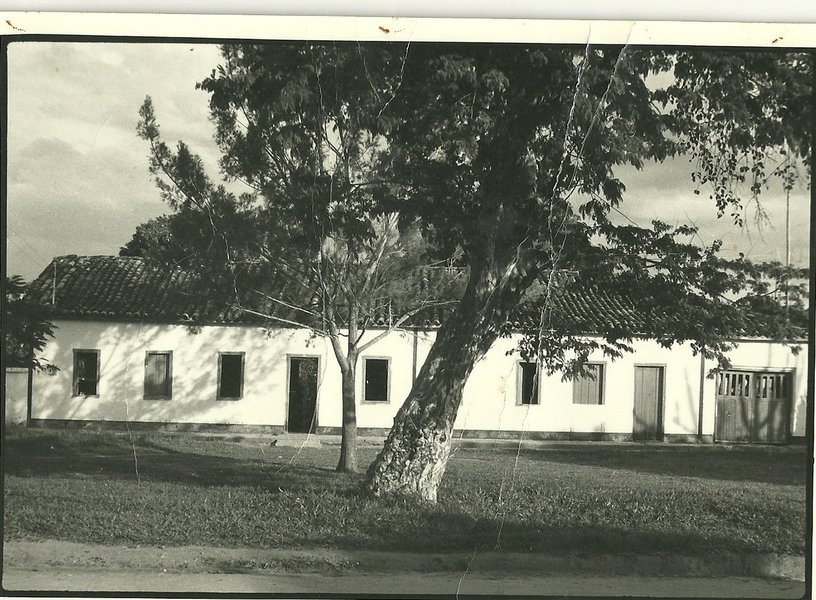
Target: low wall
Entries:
(149, 426)
(16, 395)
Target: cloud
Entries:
(77, 172)
(665, 192)
(63, 201)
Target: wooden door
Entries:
(648, 413)
(301, 416)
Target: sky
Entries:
(78, 180)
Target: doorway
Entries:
(301, 416)
(648, 423)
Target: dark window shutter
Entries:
(588, 389)
(376, 380)
(157, 375)
(232, 373)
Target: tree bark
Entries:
(348, 369)
(415, 454)
(348, 443)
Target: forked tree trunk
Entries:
(416, 451)
(348, 443)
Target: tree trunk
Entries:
(348, 443)
(416, 451)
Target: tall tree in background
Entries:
(307, 240)
(510, 153)
(161, 238)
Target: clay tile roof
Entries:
(590, 310)
(123, 288)
(130, 289)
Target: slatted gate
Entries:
(753, 407)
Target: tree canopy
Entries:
(512, 152)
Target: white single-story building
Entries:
(127, 356)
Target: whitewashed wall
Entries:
(195, 367)
(496, 377)
(490, 397)
(16, 395)
(398, 348)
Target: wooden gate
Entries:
(753, 407)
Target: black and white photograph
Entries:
(359, 307)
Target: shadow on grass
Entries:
(322, 509)
(761, 464)
(443, 531)
(112, 456)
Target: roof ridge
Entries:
(105, 256)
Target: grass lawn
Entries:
(606, 498)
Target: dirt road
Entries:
(393, 583)
(52, 565)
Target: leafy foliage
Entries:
(742, 118)
(161, 239)
(682, 292)
(295, 124)
(510, 153)
(504, 157)
(26, 326)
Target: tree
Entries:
(509, 152)
(296, 125)
(26, 326)
(159, 239)
(504, 156)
